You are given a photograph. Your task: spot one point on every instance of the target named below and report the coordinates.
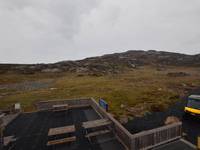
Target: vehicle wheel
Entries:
(186, 115)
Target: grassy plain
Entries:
(145, 85)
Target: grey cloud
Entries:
(61, 17)
(54, 30)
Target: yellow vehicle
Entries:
(193, 105)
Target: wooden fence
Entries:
(141, 141)
(123, 134)
(119, 130)
(151, 138)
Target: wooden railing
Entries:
(143, 140)
(146, 139)
(155, 137)
(122, 133)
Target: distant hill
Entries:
(111, 63)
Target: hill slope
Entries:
(133, 82)
(112, 63)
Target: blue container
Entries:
(103, 104)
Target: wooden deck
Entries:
(96, 123)
(61, 130)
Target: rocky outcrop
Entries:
(177, 74)
(53, 70)
(109, 64)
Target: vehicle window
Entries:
(194, 103)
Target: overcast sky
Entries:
(35, 31)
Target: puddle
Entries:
(27, 85)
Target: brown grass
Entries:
(131, 88)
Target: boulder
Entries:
(122, 106)
(123, 119)
(138, 110)
(171, 120)
(53, 70)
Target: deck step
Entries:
(97, 133)
(61, 141)
(7, 140)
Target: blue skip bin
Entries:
(103, 104)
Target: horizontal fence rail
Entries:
(140, 141)
(155, 137)
(119, 130)
(123, 134)
(46, 105)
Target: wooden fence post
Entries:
(198, 143)
(1, 137)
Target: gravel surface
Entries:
(191, 125)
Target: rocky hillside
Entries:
(112, 63)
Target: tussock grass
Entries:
(131, 88)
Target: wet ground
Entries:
(31, 131)
(28, 85)
(191, 125)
